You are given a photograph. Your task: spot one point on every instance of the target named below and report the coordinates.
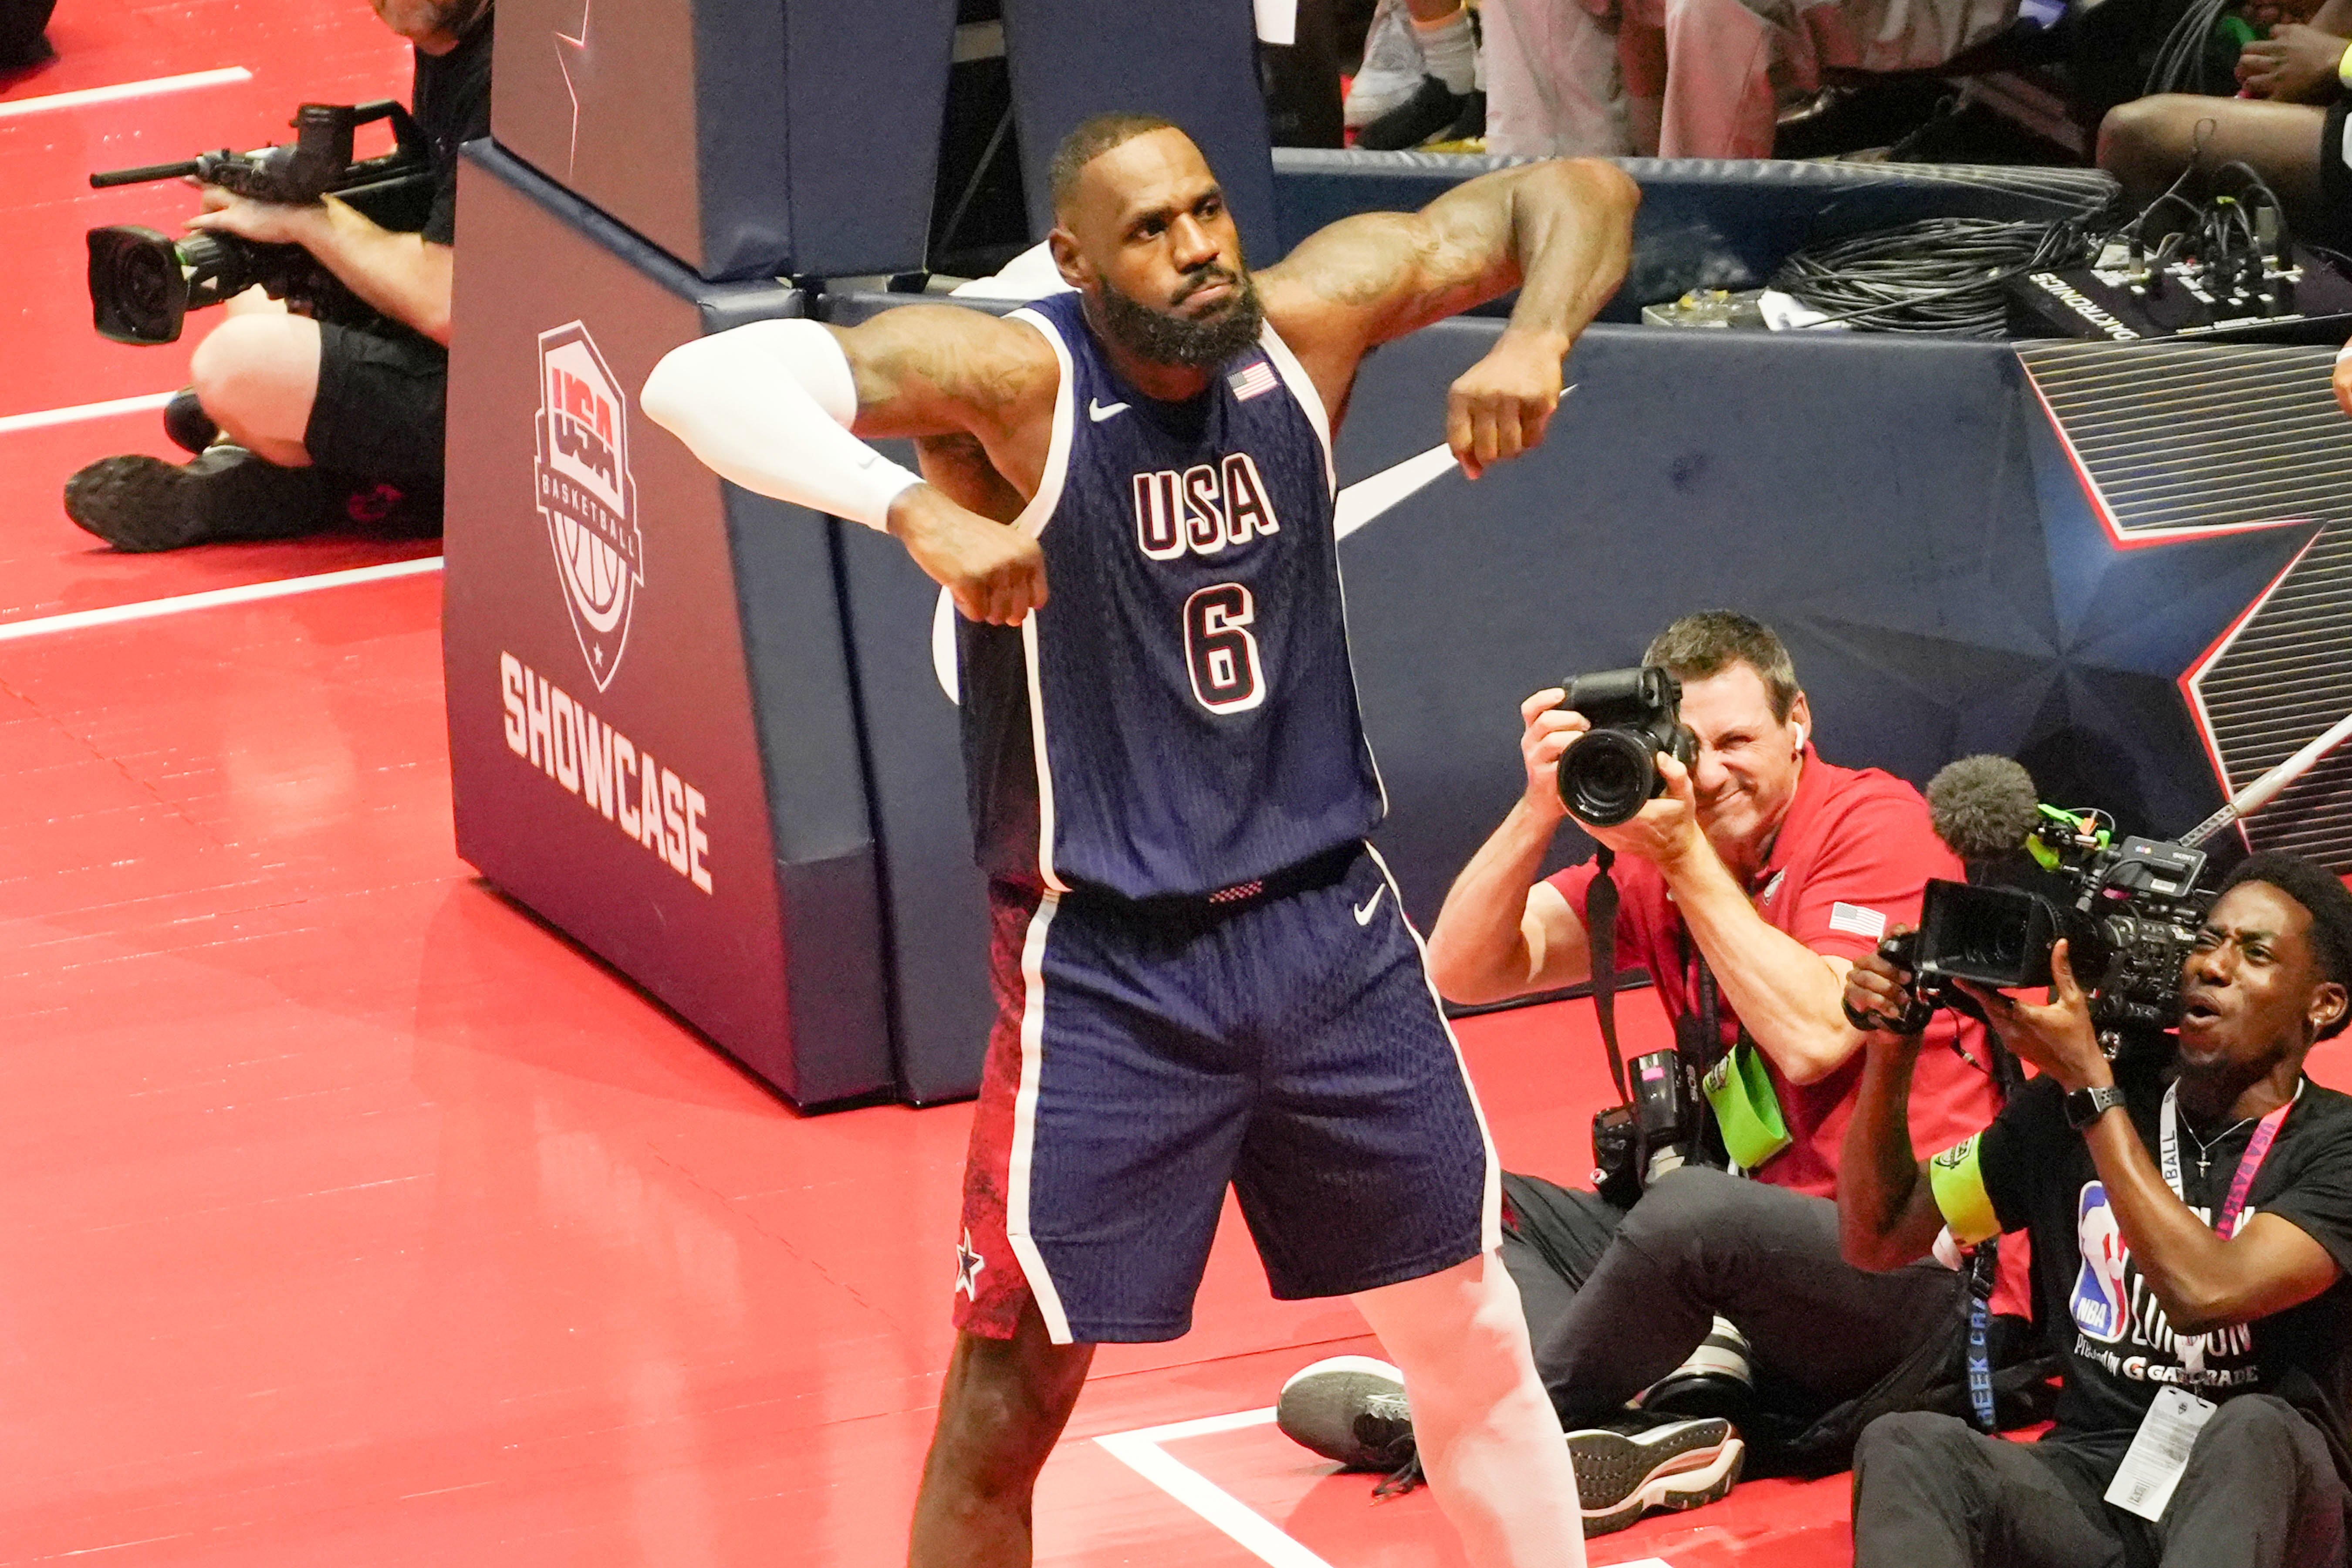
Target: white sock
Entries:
(1447, 48)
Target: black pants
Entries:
(2260, 1492)
(1617, 1298)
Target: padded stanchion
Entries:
(748, 138)
(653, 741)
(1195, 64)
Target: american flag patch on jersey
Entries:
(1249, 382)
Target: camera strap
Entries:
(1601, 942)
(1710, 1018)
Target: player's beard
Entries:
(1166, 338)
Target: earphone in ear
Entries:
(1801, 735)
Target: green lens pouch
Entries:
(1746, 1110)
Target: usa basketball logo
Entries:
(2098, 1298)
(587, 494)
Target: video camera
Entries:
(142, 284)
(2129, 918)
(1612, 771)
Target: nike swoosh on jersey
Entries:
(1364, 911)
(1098, 412)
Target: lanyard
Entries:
(2226, 1223)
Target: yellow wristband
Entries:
(1959, 1184)
(2343, 67)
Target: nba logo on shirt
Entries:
(2098, 1298)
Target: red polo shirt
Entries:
(1850, 863)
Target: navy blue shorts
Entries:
(1147, 1054)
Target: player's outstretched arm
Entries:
(1559, 232)
(778, 407)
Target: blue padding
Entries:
(747, 138)
(1194, 63)
(1704, 222)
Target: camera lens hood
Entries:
(1607, 777)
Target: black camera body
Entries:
(143, 283)
(2129, 921)
(1612, 771)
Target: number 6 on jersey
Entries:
(1220, 651)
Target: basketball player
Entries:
(1203, 973)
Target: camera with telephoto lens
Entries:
(1612, 771)
(143, 283)
(2129, 918)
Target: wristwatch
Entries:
(2085, 1106)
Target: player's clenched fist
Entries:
(995, 574)
(1500, 407)
(2344, 384)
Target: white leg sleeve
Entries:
(1489, 1439)
(768, 406)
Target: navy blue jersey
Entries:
(1180, 717)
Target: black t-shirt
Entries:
(2121, 1350)
(451, 101)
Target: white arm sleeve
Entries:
(767, 406)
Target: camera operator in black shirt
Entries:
(298, 424)
(2200, 1290)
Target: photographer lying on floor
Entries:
(1746, 890)
(301, 425)
(2214, 1271)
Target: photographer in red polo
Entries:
(1747, 889)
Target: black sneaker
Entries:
(1622, 1471)
(1350, 1408)
(1432, 111)
(186, 423)
(1470, 125)
(140, 503)
(1715, 1381)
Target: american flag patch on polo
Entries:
(1249, 382)
(1854, 918)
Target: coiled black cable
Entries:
(1943, 277)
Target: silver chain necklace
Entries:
(2204, 1146)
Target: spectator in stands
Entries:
(1747, 892)
(1420, 79)
(2211, 1273)
(2289, 128)
(1695, 78)
(300, 425)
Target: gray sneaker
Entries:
(1625, 1469)
(1350, 1408)
(1392, 67)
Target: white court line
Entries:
(250, 593)
(81, 411)
(152, 87)
(1260, 1536)
(1142, 1452)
